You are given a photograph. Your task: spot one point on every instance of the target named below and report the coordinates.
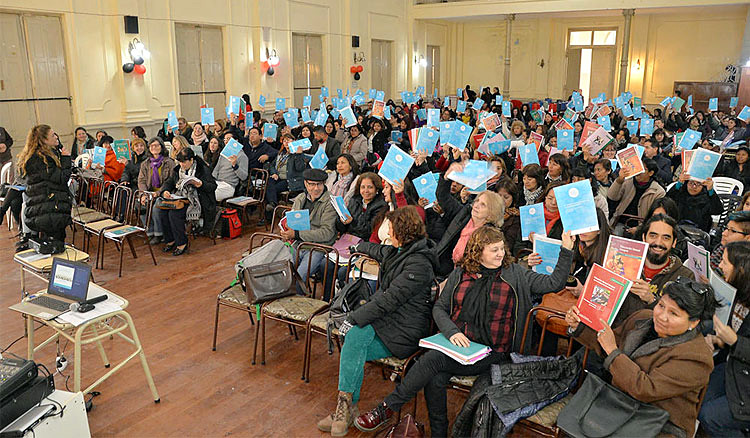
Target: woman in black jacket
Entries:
(201, 196)
(47, 174)
(726, 405)
(133, 167)
(395, 318)
(378, 137)
(484, 300)
(364, 206)
(696, 201)
(739, 168)
(82, 142)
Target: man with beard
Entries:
(660, 232)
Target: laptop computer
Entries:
(68, 283)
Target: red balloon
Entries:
(360, 68)
(264, 66)
(139, 69)
(353, 69)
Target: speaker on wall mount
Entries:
(355, 40)
(131, 24)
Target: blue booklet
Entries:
(461, 134)
(532, 220)
(172, 120)
(228, 111)
(301, 144)
(420, 90)
(270, 130)
(447, 101)
(647, 126)
(549, 250)
(619, 102)
(499, 99)
(427, 140)
(702, 164)
(433, 117)
(262, 101)
(690, 100)
(627, 111)
(298, 220)
(637, 112)
(232, 148)
(340, 93)
(435, 94)
(321, 118)
(396, 165)
(387, 112)
(340, 206)
(459, 92)
(733, 102)
(426, 186)
(666, 101)
(744, 115)
(380, 95)
(422, 114)
(478, 104)
(575, 202)
(99, 155)
(474, 175)
(324, 91)
(396, 136)
(280, 104)
(446, 130)
(359, 100)
(207, 116)
(234, 105)
(307, 101)
(499, 147)
(371, 95)
(506, 108)
(335, 113)
(319, 160)
(689, 139)
(604, 122)
(713, 104)
(615, 164)
(565, 140)
(306, 115)
(349, 118)
(528, 154)
(632, 126)
(290, 119)
(577, 101)
(461, 106)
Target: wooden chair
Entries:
(318, 325)
(95, 208)
(278, 214)
(130, 227)
(117, 194)
(296, 310)
(257, 183)
(234, 296)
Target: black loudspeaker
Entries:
(131, 24)
(355, 41)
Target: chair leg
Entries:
(294, 330)
(250, 314)
(132, 248)
(151, 250)
(216, 324)
(99, 347)
(255, 346)
(122, 253)
(263, 338)
(307, 351)
(142, 356)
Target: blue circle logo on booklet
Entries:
(532, 211)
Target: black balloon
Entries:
(137, 60)
(356, 76)
(128, 67)
(270, 71)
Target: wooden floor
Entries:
(203, 393)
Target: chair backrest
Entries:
(324, 251)
(355, 258)
(133, 216)
(108, 197)
(278, 214)
(122, 199)
(729, 204)
(670, 185)
(259, 239)
(5, 173)
(257, 183)
(82, 160)
(727, 186)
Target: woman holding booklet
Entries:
(659, 356)
(484, 300)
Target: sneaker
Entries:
(375, 419)
(156, 240)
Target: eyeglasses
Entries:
(698, 288)
(737, 231)
(694, 183)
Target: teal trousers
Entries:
(360, 345)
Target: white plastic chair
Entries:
(728, 186)
(5, 178)
(671, 185)
(82, 160)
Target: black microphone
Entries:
(85, 306)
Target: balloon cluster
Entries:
(136, 50)
(356, 70)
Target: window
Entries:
(580, 38)
(605, 37)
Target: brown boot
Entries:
(324, 425)
(344, 415)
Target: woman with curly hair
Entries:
(484, 300)
(396, 316)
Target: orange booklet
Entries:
(629, 159)
(602, 297)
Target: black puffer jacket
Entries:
(50, 201)
(132, 170)
(738, 374)
(362, 220)
(461, 214)
(399, 310)
(696, 209)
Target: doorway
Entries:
(381, 66)
(432, 71)
(591, 62)
(200, 70)
(307, 56)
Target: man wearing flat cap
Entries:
(317, 200)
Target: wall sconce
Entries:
(421, 61)
(637, 65)
(541, 63)
(359, 57)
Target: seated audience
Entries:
(257, 150)
(229, 172)
(533, 185)
(157, 168)
(738, 228)
(696, 201)
(285, 173)
(340, 181)
(355, 144)
(330, 145)
(511, 228)
(634, 195)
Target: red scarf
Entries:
(550, 219)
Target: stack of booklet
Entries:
(463, 355)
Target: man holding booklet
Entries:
(483, 304)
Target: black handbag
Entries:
(270, 281)
(600, 410)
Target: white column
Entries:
(506, 73)
(628, 13)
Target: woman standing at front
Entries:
(47, 174)
(485, 300)
(395, 318)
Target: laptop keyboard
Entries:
(50, 303)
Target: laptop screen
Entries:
(69, 279)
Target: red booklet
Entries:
(602, 297)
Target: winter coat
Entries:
(362, 220)
(132, 170)
(206, 192)
(696, 209)
(356, 147)
(322, 219)
(379, 141)
(527, 285)
(738, 373)
(461, 215)
(667, 372)
(50, 201)
(664, 175)
(625, 192)
(254, 153)
(399, 310)
(168, 167)
(731, 169)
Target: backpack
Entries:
(272, 251)
(347, 299)
(231, 226)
